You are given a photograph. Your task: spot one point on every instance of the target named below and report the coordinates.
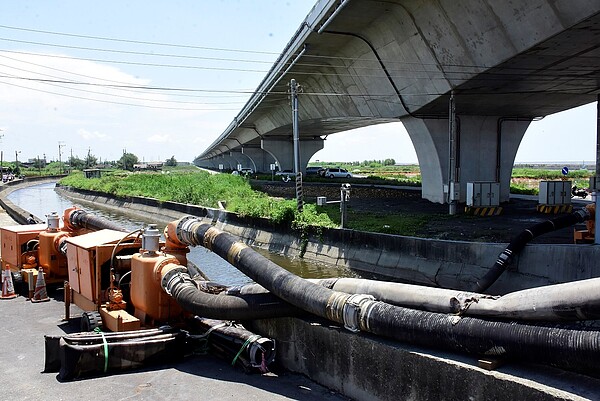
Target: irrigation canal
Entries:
(41, 199)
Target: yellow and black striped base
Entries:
(483, 211)
(554, 209)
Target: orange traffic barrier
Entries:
(40, 294)
(8, 287)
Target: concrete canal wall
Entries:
(363, 366)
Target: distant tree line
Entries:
(126, 162)
(373, 163)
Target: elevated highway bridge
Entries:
(364, 62)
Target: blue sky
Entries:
(218, 51)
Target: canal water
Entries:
(42, 200)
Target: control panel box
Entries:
(555, 193)
(16, 241)
(483, 193)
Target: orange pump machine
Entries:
(96, 259)
(90, 258)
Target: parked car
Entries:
(285, 173)
(314, 170)
(244, 172)
(337, 173)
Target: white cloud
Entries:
(159, 138)
(89, 135)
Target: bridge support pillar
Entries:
(206, 163)
(487, 147)
(259, 158)
(239, 158)
(227, 161)
(283, 151)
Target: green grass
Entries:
(204, 189)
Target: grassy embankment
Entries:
(203, 189)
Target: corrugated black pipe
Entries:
(570, 349)
(226, 307)
(519, 242)
(82, 219)
(566, 348)
(287, 286)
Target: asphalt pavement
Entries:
(22, 328)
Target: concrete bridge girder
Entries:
(487, 149)
(262, 160)
(283, 151)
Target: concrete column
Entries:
(204, 163)
(260, 159)
(212, 163)
(242, 159)
(487, 150)
(228, 162)
(283, 151)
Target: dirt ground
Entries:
(517, 214)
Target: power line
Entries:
(111, 102)
(140, 42)
(100, 79)
(137, 53)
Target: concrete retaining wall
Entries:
(450, 264)
(365, 367)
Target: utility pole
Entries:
(17, 170)
(453, 185)
(61, 144)
(597, 178)
(294, 89)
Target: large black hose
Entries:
(226, 307)
(519, 242)
(573, 301)
(82, 219)
(567, 348)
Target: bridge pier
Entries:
(259, 158)
(239, 158)
(283, 151)
(227, 161)
(487, 146)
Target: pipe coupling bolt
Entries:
(352, 310)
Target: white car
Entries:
(244, 172)
(337, 173)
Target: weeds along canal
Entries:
(41, 199)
